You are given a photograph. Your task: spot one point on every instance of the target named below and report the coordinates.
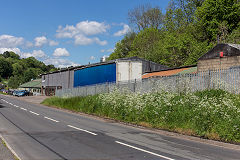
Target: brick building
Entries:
(222, 56)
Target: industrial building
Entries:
(222, 56)
(57, 80)
(118, 70)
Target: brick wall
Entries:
(218, 63)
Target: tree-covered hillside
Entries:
(17, 71)
(187, 30)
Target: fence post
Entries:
(134, 85)
(209, 79)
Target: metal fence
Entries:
(228, 80)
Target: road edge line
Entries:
(10, 148)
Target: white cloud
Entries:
(35, 53)
(61, 63)
(25, 55)
(53, 43)
(81, 32)
(15, 50)
(84, 27)
(8, 41)
(122, 32)
(92, 58)
(40, 41)
(60, 52)
(92, 27)
(110, 50)
(83, 40)
(29, 44)
(98, 41)
(38, 54)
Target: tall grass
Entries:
(213, 114)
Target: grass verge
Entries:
(212, 114)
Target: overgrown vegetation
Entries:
(187, 30)
(16, 71)
(213, 114)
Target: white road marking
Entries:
(10, 103)
(82, 130)
(51, 119)
(23, 109)
(34, 113)
(155, 154)
(16, 106)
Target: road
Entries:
(36, 132)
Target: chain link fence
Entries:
(228, 80)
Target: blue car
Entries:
(15, 92)
(22, 93)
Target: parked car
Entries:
(22, 93)
(10, 92)
(15, 92)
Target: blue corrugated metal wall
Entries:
(95, 75)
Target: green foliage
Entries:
(31, 73)
(213, 114)
(143, 44)
(213, 13)
(188, 30)
(86, 104)
(5, 68)
(123, 48)
(234, 37)
(15, 81)
(10, 54)
(19, 71)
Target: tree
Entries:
(18, 68)
(214, 13)
(31, 73)
(145, 42)
(234, 37)
(5, 68)
(123, 48)
(14, 81)
(10, 54)
(144, 16)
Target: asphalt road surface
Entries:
(36, 132)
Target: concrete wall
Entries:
(128, 70)
(63, 79)
(218, 63)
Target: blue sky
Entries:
(65, 32)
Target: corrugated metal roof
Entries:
(234, 45)
(171, 72)
(107, 62)
(37, 83)
(189, 70)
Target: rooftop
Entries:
(171, 72)
(103, 63)
(37, 83)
